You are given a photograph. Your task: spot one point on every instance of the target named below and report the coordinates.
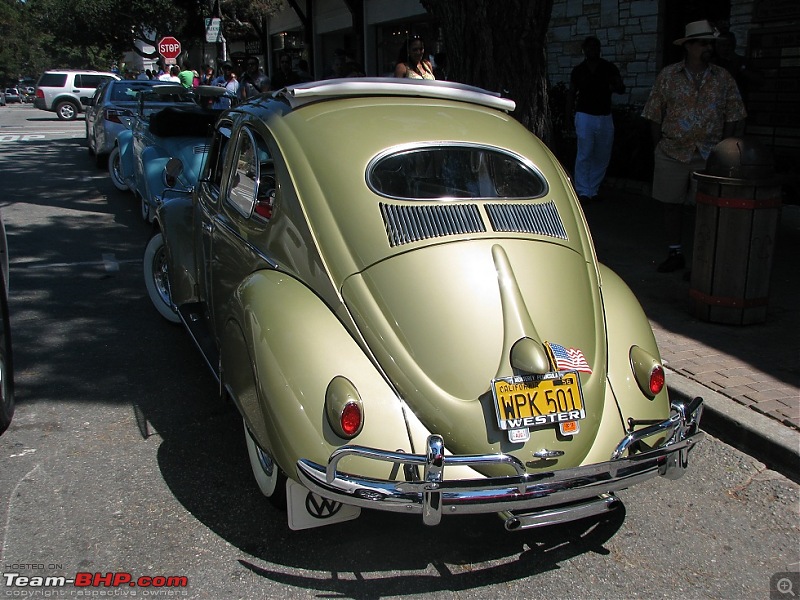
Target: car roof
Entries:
(312, 125)
(78, 71)
(314, 91)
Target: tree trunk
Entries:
(500, 45)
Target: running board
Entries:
(193, 316)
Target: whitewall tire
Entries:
(156, 278)
(114, 170)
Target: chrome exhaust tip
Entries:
(563, 514)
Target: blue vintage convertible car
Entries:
(170, 122)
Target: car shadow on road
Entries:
(51, 119)
(204, 462)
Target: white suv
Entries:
(60, 91)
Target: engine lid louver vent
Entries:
(540, 219)
(406, 224)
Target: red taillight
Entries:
(264, 209)
(351, 418)
(657, 379)
(39, 93)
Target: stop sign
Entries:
(169, 47)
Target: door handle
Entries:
(208, 227)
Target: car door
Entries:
(94, 115)
(207, 200)
(236, 238)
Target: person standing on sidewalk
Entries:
(693, 106)
(590, 87)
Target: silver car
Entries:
(107, 111)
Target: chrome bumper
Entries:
(539, 498)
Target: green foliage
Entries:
(94, 33)
(20, 53)
(44, 34)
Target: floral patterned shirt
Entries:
(692, 116)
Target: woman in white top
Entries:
(412, 62)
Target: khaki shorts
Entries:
(672, 180)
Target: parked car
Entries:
(170, 122)
(394, 283)
(60, 91)
(13, 96)
(110, 110)
(6, 355)
(28, 94)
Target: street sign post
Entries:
(169, 48)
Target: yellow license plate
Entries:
(534, 401)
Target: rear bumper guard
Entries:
(555, 496)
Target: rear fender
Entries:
(154, 159)
(280, 350)
(175, 219)
(126, 162)
(627, 325)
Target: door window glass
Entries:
(243, 183)
(215, 160)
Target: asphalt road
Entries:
(121, 458)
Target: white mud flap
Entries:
(307, 510)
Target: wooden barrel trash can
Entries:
(738, 206)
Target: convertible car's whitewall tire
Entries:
(156, 278)
(271, 481)
(114, 170)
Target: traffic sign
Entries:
(169, 47)
(213, 30)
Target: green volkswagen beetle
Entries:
(394, 282)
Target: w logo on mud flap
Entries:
(321, 508)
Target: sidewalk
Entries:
(749, 375)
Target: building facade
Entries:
(636, 35)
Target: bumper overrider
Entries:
(522, 499)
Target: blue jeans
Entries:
(595, 138)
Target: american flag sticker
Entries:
(567, 359)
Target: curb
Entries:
(759, 436)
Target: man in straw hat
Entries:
(693, 105)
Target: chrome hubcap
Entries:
(160, 276)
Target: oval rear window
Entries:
(454, 172)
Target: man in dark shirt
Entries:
(285, 75)
(590, 87)
(254, 81)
